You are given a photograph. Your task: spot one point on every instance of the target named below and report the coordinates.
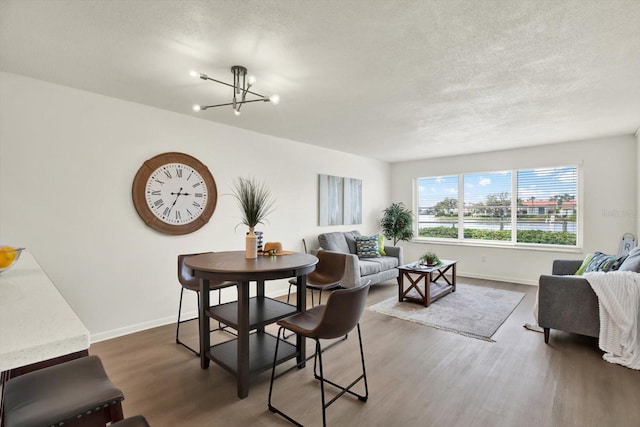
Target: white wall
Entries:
(67, 162)
(610, 184)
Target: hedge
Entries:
(523, 236)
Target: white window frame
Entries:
(513, 243)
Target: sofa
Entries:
(567, 302)
(361, 270)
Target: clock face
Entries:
(174, 193)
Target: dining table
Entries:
(252, 351)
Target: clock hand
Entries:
(174, 202)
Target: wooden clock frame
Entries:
(139, 188)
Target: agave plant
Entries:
(254, 199)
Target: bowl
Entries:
(8, 257)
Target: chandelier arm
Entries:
(230, 85)
(204, 107)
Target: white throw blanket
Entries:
(619, 299)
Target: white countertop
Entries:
(36, 323)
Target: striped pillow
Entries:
(367, 246)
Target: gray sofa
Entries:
(361, 270)
(567, 302)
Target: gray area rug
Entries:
(472, 311)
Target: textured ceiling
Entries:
(393, 80)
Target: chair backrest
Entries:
(330, 268)
(342, 312)
(185, 276)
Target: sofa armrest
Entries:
(568, 303)
(351, 278)
(395, 251)
(565, 266)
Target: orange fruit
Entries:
(7, 255)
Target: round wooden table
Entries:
(249, 354)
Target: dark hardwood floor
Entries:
(418, 376)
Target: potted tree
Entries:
(397, 223)
(256, 202)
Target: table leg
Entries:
(204, 323)
(427, 289)
(243, 339)
(260, 294)
(400, 285)
(301, 303)
(453, 278)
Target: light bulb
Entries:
(196, 108)
(236, 112)
(275, 99)
(194, 73)
(251, 80)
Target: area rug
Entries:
(472, 311)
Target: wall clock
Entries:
(174, 193)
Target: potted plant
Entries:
(430, 258)
(256, 202)
(397, 223)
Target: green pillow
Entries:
(583, 265)
(367, 246)
(381, 245)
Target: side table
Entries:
(414, 275)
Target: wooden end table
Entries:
(431, 290)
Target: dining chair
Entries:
(191, 283)
(338, 317)
(327, 275)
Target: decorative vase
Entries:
(251, 245)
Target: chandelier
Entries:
(241, 85)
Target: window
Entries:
(526, 206)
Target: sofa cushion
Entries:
(351, 236)
(334, 241)
(603, 262)
(632, 263)
(367, 246)
(368, 266)
(386, 262)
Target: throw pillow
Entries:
(632, 263)
(350, 236)
(367, 246)
(381, 245)
(584, 265)
(604, 262)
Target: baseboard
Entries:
(139, 327)
(519, 281)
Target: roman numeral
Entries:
(166, 211)
(155, 193)
(158, 181)
(158, 203)
(196, 205)
(189, 212)
(196, 184)
(190, 175)
(178, 216)
(197, 194)
(179, 173)
(168, 174)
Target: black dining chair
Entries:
(191, 283)
(338, 317)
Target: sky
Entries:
(540, 183)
